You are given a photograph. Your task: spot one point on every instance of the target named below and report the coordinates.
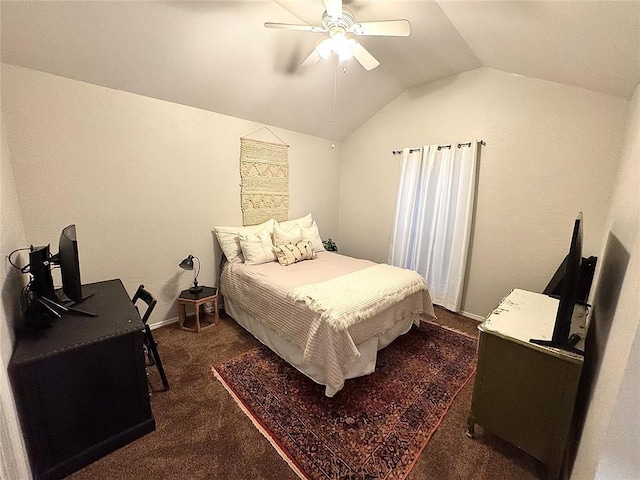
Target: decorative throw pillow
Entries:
(313, 235)
(291, 235)
(291, 253)
(257, 248)
(229, 238)
(304, 222)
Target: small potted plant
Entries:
(330, 245)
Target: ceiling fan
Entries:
(339, 23)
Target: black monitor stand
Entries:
(569, 346)
(53, 307)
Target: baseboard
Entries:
(162, 323)
(473, 316)
(169, 321)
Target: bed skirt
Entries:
(292, 354)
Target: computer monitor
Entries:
(41, 285)
(69, 263)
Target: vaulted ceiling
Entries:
(217, 55)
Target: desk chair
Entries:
(149, 343)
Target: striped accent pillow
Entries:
(290, 253)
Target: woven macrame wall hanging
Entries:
(264, 174)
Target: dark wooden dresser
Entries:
(80, 384)
(525, 393)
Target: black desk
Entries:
(80, 385)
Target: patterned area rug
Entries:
(376, 426)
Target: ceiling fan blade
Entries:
(288, 26)
(361, 54)
(386, 28)
(333, 8)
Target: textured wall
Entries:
(13, 460)
(144, 180)
(611, 438)
(552, 151)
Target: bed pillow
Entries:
(304, 222)
(229, 238)
(293, 234)
(313, 235)
(291, 253)
(257, 248)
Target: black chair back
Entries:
(146, 297)
(149, 342)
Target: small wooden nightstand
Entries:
(208, 294)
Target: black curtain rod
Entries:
(440, 147)
(411, 150)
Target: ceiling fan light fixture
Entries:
(324, 48)
(344, 55)
(346, 50)
(339, 43)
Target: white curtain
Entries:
(432, 224)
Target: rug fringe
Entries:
(260, 427)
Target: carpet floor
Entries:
(202, 434)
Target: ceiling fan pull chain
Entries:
(335, 88)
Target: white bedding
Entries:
(263, 292)
(358, 296)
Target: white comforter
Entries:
(265, 291)
(358, 296)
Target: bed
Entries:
(329, 316)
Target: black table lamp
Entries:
(187, 264)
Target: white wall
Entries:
(552, 151)
(611, 439)
(13, 460)
(144, 180)
(619, 460)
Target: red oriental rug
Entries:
(376, 426)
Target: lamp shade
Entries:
(187, 264)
